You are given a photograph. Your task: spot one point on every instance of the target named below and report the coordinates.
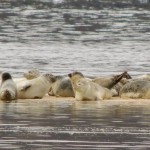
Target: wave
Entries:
(78, 4)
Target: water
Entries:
(66, 124)
(104, 39)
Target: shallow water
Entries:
(69, 124)
(94, 40)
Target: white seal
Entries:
(8, 89)
(34, 88)
(85, 89)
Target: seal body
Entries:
(61, 86)
(111, 81)
(114, 82)
(34, 88)
(136, 89)
(85, 89)
(8, 88)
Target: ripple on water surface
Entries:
(68, 124)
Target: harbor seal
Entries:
(111, 81)
(61, 86)
(31, 74)
(28, 75)
(143, 77)
(34, 88)
(136, 89)
(8, 88)
(85, 89)
(114, 82)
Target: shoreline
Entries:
(112, 101)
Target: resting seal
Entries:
(31, 74)
(61, 86)
(110, 81)
(85, 89)
(114, 82)
(34, 88)
(28, 75)
(8, 89)
(136, 89)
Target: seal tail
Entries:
(117, 78)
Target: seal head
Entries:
(8, 89)
(6, 76)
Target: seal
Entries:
(34, 88)
(28, 75)
(143, 77)
(31, 74)
(85, 89)
(136, 89)
(61, 86)
(111, 81)
(8, 88)
(114, 82)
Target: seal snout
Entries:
(6, 95)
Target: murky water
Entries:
(102, 39)
(66, 124)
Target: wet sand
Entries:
(112, 100)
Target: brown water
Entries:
(94, 40)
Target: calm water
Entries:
(102, 39)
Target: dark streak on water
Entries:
(104, 39)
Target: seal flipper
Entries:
(24, 88)
(117, 78)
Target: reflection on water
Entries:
(57, 36)
(69, 124)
